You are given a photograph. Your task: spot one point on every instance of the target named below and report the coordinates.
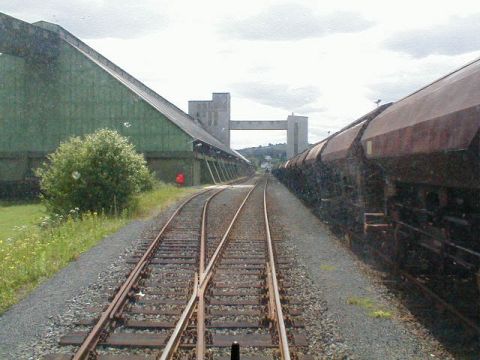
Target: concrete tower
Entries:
(297, 134)
(214, 115)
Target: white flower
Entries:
(76, 175)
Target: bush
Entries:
(99, 172)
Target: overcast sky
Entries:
(328, 60)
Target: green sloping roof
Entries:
(169, 110)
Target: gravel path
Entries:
(35, 319)
(346, 295)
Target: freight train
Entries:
(406, 176)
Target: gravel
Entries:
(32, 327)
(325, 278)
(338, 316)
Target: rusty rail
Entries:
(174, 341)
(274, 289)
(115, 307)
(275, 307)
(199, 301)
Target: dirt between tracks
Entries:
(350, 315)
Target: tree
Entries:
(97, 172)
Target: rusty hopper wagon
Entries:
(407, 177)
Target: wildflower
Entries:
(75, 175)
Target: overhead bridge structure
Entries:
(258, 125)
(215, 116)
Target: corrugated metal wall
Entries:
(43, 104)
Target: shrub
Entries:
(99, 172)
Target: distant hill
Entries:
(277, 152)
(274, 150)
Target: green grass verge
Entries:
(151, 202)
(31, 251)
(13, 215)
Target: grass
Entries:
(14, 214)
(370, 306)
(151, 202)
(31, 251)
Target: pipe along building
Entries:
(54, 86)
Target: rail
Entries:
(175, 338)
(198, 297)
(114, 308)
(275, 292)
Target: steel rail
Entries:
(279, 319)
(220, 246)
(199, 302)
(107, 317)
(205, 278)
(173, 343)
(201, 269)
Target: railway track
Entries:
(206, 286)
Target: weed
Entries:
(368, 304)
(365, 303)
(327, 267)
(32, 253)
(383, 314)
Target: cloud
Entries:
(460, 35)
(279, 95)
(91, 19)
(290, 21)
(418, 73)
(310, 109)
(395, 89)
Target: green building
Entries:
(53, 86)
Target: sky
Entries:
(328, 60)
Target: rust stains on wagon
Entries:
(338, 147)
(443, 116)
(314, 154)
(429, 136)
